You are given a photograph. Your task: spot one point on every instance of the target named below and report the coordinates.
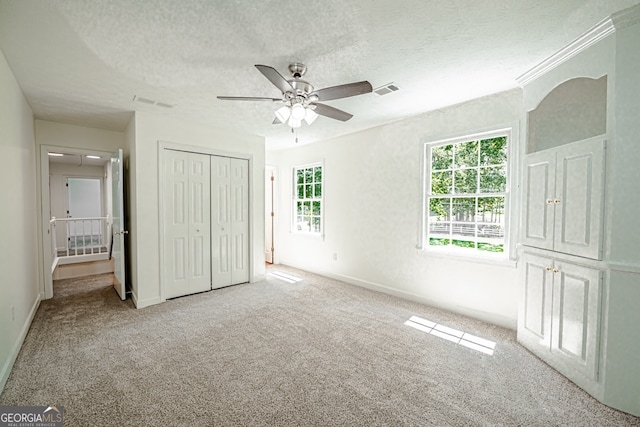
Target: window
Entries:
(466, 194)
(307, 215)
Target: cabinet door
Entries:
(576, 314)
(534, 317)
(187, 263)
(539, 188)
(579, 199)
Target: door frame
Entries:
(163, 146)
(44, 257)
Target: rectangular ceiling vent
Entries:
(148, 101)
(388, 88)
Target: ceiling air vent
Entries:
(148, 101)
(388, 88)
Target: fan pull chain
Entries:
(293, 131)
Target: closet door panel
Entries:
(221, 221)
(240, 220)
(199, 223)
(176, 227)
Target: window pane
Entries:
(491, 210)
(317, 190)
(317, 174)
(488, 247)
(439, 229)
(308, 191)
(316, 208)
(466, 154)
(464, 209)
(308, 175)
(439, 242)
(493, 179)
(442, 157)
(439, 209)
(463, 229)
(493, 151)
(299, 208)
(464, 243)
(300, 191)
(315, 221)
(300, 179)
(466, 181)
(441, 183)
(302, 224)
(306, 208)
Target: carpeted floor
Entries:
(314, 352)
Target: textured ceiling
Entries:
(82, 62)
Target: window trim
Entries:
(294, 199)
(511, 194)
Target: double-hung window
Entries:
(307, 203)
(466, 194)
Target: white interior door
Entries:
(239, 220)
(221, 221)
(187, 204)
(117, 227)
(229, 220)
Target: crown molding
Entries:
(603, 29)
(626, 17)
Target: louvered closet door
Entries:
(229, 222)
(187, 227)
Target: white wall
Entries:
(372, 213)
(19, 287)
(150, 130)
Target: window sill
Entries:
(501, 260)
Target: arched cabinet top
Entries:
(572, 111)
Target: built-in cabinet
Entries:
(560, 314)
(579, 266)
(563, 198)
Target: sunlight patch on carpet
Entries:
(289, 278)
(454, 335)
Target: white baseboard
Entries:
(8, 365)
(484, 316)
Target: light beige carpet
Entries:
(315, 352)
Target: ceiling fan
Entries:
(301, 100)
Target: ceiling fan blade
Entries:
(343, 91)
(276, 78)
(248, 98)
(331, 112)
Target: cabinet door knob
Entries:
(548, 268)
(549, 201)
(555, 270)
(556, 201)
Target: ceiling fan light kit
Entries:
(301, 100)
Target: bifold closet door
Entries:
(187, 226)
(229, 220)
